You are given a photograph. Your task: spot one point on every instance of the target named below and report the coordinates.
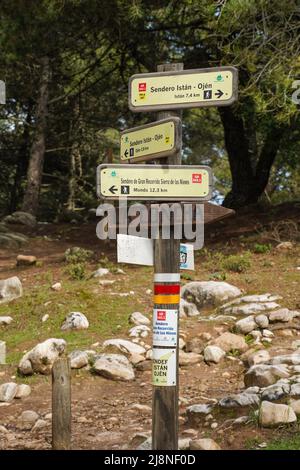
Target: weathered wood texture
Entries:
(166, 260)
(61, 404)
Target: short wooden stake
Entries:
(61, 404)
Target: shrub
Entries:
(237, 263)
(76, 255)
(76, 271)
(262, 248)
(217, 276)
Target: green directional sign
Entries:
(154, 182)
(217, 86)
(155, 140)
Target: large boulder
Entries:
(188, 358)
(252, 308)
(281, 315)
(265, 375)
(208, 293)
(22, 218)
(10, 289)
(197, 413)
(290, 359)
(41, 358)
(78, 359)
(12, 240)
(229, 341)
(75, 321)
(124, 346)
(113, 366)
(271, 414)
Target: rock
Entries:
(195, 345)
(205, 336)
(100, 272)
(139, 319)
(22, 218)
(229, 341)
(281, 315)
(187, 309)
(295, 390)
(78, 359)
(184, 443)
(284, 246)
(275, 392)
(197, 413)
(258, 357)
(75, 321)
(296, 344)
(41, 358)
(8, 392)
(142, 408)
(113, 366)
(186, 359)
(267, 334)
(204, 444)
(149, 354)
(56, 286)
(40, 424)
(239, 400)
(2, 351)
(3, 228)
(139, 331)
(295, 405)
(265, 375)
(213, 354)
(23, 391)
(106, 282)
(137, 358)
(271, 414)
(125, 346)
(246, 325)
(3, 430)
(291, 359)
(182, 344)
(29, 417)
(146, 445)
(4, 321)
(214, 425)
(262, 321)
(205, 293)
(250, 309)
(24, 260)
(45, 317)
(10, 289)
(260, 298)
(148, 291)
(285, 333)
(256, 334)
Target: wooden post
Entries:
(61, 404)
(166, 260)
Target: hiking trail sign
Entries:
(154, 182)
(217, 86)
(155, 140)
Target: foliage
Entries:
(237, 263)
(77, 255)
(76, 271)
(261, 248)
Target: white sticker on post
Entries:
(186, 256)
(165, 327)
(164, 367)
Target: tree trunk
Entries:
(250, 171)
(37, 152)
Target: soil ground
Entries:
(102, 413)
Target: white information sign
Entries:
(165, 327)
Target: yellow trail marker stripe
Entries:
(166, 299)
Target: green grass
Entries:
(288, 443)
(107, 314)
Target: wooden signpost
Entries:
(167, 91)
(178, 89)
(154, 182)
(155, 140)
